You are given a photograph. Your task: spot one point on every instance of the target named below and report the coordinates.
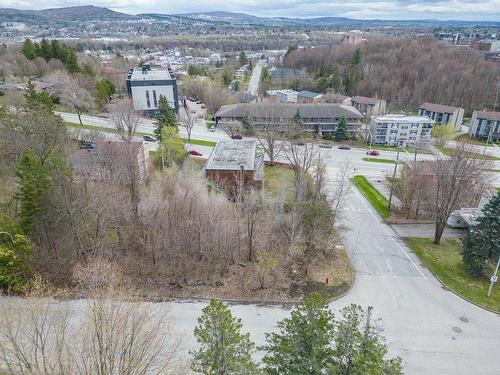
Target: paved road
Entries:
(433, 330)
(253, 85)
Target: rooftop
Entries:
(488, 115)
(284, 110)
(309, 94)
(365, 100)
(403, 119)
(438, 108)
(149, 75)
(230, 154)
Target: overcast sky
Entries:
(488, 10)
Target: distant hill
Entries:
(62, 15)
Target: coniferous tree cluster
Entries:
(51, 50)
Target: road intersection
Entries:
(432, 329)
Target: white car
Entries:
(212, 129)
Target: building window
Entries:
(155, 103)
(148, 102)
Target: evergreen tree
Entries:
(165, 116)
(297, 119)
(237, 86)
(28, 49)
(341, 131)
(224, 350)
(247, 124)
(336, 79)
(36, 101)
(482, 240)
(71, 62)
(15, 257)
(359, 349)
(34, 181)
(105, 89)
(45, 49)
(303, 343)
(322, 72)
(356, 57)
(242, 59)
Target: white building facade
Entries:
(145, 86)
(392, 130)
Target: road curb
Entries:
(447, 287)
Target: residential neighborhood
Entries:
(258, 188)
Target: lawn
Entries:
(445, 261)
(480, 142)
(279, 182)
(474, 155)
(376, 160)
(377, 200)
(199, 142)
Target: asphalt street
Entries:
(432, 329)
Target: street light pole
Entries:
(393, 178)
(493, 278)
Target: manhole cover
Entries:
(464, 319)
(457, 329)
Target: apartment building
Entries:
(392, 130)
(320, 119)
(145, 85)
(338, 98)
(283, 96)
(485, 125)
(369, 106)
(442, 114)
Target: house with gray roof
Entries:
(442, 114)
(320, 119)
(309, 97)
(369, 106)
(234, 162)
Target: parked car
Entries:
(344, 147)
(148, 138)
(237, 136)
(86, 145)
(373, 152)
(195, 153)
(299, 143)
(325, 145)
(212, 129)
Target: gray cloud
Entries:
(367, 9)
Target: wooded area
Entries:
(404, 72)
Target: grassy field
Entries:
(474, 155)
(279, 182)
(376, 160)
(377, 200)
(199, 142)
(445, 261)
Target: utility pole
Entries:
(493, 278)
(393, 178)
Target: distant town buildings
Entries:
(395, 130)
(145, 85)
(309, 97)
(319, 119)
(485, 125)
(369, 106)
(235, 164)
(352, 38)
(442, 114)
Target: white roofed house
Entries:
(145, 85)
(398, 129)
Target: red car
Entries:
(237, 136)
(344, 147)
(195, 153)
(373, 152)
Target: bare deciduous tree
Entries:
(188, 122)
(455, 177)
(125, 119)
